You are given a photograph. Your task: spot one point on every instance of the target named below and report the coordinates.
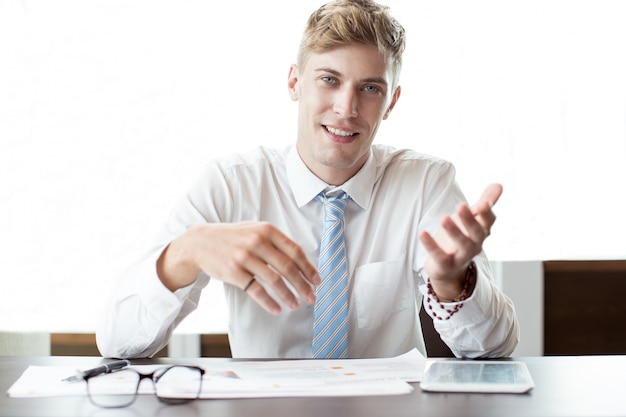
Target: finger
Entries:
(290, 261)
(439, 256)
(271, 255)
(296, 261)
(245, 280)
(486, 219)
(267, 274)
(282, 266)
(476, 227)
(245, 263)
(488, 199)
(258, 294)
(249, 284)
(465, 246)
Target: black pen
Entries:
(102, 369)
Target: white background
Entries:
(109, 109)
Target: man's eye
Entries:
(329, 80)
(372, 89)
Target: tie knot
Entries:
(341, 198)
(334, 206)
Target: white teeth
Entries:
(338, 132)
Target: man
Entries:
(255, 222)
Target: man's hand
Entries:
(237, 253)
(459, 239)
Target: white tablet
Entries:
(477, 376)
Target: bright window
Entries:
(109, 109)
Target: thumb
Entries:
(489, 198)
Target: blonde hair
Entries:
(343, 22)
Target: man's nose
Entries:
(346, 103)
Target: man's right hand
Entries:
(237, 253)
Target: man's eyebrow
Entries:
(376, 80)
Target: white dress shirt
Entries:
(395, 195)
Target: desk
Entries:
(564, 386)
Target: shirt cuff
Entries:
(435, 309)
(155, 294)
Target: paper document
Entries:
(254, 379)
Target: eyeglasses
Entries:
(174, 384)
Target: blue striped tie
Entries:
(330, 322)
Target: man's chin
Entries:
(341, 162)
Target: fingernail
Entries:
(310, 298)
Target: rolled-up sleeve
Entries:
(142, 313)
(485, 326)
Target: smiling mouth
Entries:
(339, 132)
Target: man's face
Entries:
(343, 96)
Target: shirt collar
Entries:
(305, 185)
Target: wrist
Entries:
(468, 285)
(175, 267)
(449, 288)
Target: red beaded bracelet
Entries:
(470, 279)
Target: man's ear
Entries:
(292, 82)
(394, 100)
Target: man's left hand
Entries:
(458, 240)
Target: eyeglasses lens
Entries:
(179, 384)
(117, 389)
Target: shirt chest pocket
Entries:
(381, 290)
